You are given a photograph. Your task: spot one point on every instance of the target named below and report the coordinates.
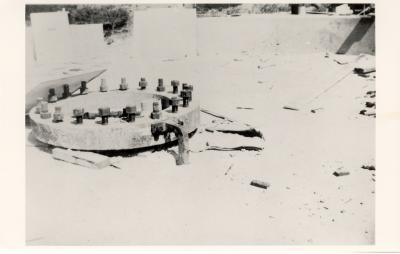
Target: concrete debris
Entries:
(341, 173)
(250, 133)
(315, 110)
(366, 112)
(231, 126)
(260, 184)
(290, 108)
(364, 64)
(237, 148)
(339, 62)
(342, 59)
(344, 9)
(371, 94)
(370, 104)
(369, 167)
(86, 159)
(244, 108)
(206, 111)
(364, 70)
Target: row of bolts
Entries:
(129, 112)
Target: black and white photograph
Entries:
(219, 124)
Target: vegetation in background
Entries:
(117, 16)
(202, 8)
(112, 16)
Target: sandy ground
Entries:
(151, 201)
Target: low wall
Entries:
(286, 34)
(77, 42)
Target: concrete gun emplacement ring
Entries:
(126, 118)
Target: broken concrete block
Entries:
(364, 70)
(341, 173)
(260, 184)
(370, 104)
(291, 108)
(368, 167)
(86, 159)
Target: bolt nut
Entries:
(53, 99)
(155, 115)
(105, 111)
(158, 128)
(175, 101)
(52, 95)
(57, 109)
(160, 87)
(38, 106)
(123, 85)
(185, 94)
(66, 92)
(130, 109)
(142, 83)
(175, 85)
(78, 112)
(52, 91)
(83, 89)
(103, 85)
(175, 104)
(156, 106)
(58, 117)
(45, 115)
(44, 107)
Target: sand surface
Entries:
(151, 201)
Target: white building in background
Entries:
(51, 39)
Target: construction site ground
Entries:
(152, 201)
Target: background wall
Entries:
(287, 34)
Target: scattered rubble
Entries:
(369, 167)
(341, 173)
(260, 184)
(231, 126)
(237, 148)
(367, 112)
(291, 108)
(315, 110)
(371, 94)
(86, 159)
(364, 70)
(369, 104)
(243, 108)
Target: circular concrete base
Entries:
(118, 134)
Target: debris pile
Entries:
(370, 105)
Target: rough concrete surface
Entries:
(151, 201)
(118, 134)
